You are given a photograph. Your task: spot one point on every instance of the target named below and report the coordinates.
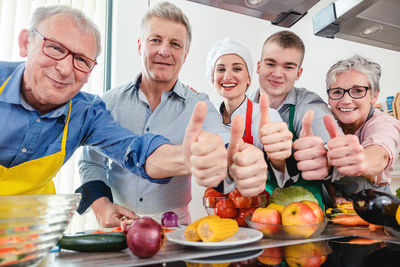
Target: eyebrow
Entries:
(285, 63)
(235, 64)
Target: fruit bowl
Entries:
(234, 207)
(279, 231)
(30, 226)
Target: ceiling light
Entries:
(255, 3)
(371, 30)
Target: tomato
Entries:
(239, 200)
(225, 209)
(211, 197)
(243, 213)
(259, 201)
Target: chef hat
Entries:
(223, 47)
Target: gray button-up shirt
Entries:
(129, 106)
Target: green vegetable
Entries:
(398, 192)
(285, 196)
(102, 242)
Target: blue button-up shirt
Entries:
(130, 107)
(26, 135)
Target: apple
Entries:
(299, 215)
(316, 209)
(276, 207)
(312, 254)
(271, 256)
(269, 219)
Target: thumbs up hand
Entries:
(246, 163)
(275, 136)
(345, 152)
(205, 154)
(310, 151)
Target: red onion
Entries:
(145, 237)
(169, 219)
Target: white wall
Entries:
(211, 24)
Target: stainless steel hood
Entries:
(372, 22)
(283, 13)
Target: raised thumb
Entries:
(237, 130)
(264, 106)
(306, 128)
(193, 129)
(330, 125)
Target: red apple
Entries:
(271, 256)
(269, 220)
(301, 218)
(316, 209)
(311, 254)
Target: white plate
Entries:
(242, 236)
(241, 256)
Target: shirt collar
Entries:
(290, 99)
(179, 89)
(12, 94)
(241, 109)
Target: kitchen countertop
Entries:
(172, 252)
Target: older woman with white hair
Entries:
(229, 70)
(364, 157)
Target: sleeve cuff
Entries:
(90, 192)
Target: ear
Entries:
(374, 98)
(184, 58)
(139, 47)
(258, 67)
(23, 42)
(299, 72)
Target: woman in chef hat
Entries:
(229, 69)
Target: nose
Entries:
(346, 98)
(277, 71)
(164, 50)
(65, 66)
(227, 75)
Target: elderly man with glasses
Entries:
(45, 118)
(364, 157)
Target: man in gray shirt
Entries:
(156, 102)
(278, 70)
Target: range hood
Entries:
(372, 22)
(283, 13)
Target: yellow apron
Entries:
(33, 177)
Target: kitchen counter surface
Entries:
(172, 252)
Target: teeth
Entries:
(229, 85)
(346, 109)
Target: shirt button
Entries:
(147, 129)
(138, 164)
(23, 150)
(141, 199)
(38, 120)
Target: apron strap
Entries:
(248, 138)
(4, 84)
(64, 138)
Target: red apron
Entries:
(248, 138)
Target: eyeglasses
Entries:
(355, 92)
(56, 51)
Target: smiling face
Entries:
(163, 48)
(278, 70)
(231, 77)
(350, 112)
(49, 83)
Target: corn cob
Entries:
(211, 230)
(191, 229)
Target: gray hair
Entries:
(168, 11)
(81, 20)
(370, 69)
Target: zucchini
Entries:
(102, 242)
